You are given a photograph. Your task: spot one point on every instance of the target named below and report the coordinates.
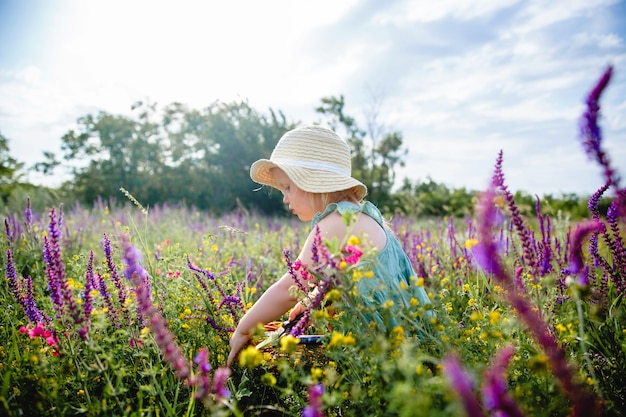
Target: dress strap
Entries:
(347, 207)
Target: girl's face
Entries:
(298, 200)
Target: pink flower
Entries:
(355, 254)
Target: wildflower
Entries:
(316, 373)
(470, 243)
(577, 264)
(463, 385)
(250, 357)
(220, 378)
(121, 290)
(163, 337)
(354, 254)
(590, 132)
(494, 317)
(314, 408)
(489, 259)
(289, 343)
(339, 339)
(269, 379)
(495, 395)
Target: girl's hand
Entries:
(295, 312)
(237, 342)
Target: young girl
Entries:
(312, 167)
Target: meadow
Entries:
(126, 310)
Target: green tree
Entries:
(434, 199)
(178, 154)
(375, 153)
(10, 170)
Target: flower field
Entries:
(127, 311)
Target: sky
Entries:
(461, 80)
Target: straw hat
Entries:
(316, 159)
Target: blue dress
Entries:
(394, 278)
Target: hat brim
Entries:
(307, 179)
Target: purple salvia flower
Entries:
(121, 289)
(201, 380)
(28, 214)
(220, 379)
(526, 237)
(213, 323)
(11, 274)
(51, 274)
(136, 273)
(616, 244)
(199, 272)
(544, 228)
(12, 229)
(87, 297)
(590, 131)
(7, 231)
(495, 395)
(314, 408)
(302, 324)
(463, 385)
(594, 200)
(292, 270)
(111, 310)
(61, 293)
(30, 305)
(229, 299)
(577, 265)
(138, 276)
(583, 400)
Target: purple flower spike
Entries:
(591, 133)
(164, 338)
(577, 263)
(314, 408)
(583, 400)
(463, 385)
(11, 274)
(495, 395)
(220, 378)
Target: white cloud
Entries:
(460, 80)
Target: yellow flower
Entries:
(470, 243)
(353, 240)
(494, 317)
(316, 373)
(250, 357)
(420, 282)
(332, 295)
(289, 343)
(475, 316)
(338, 339)
(268, 379)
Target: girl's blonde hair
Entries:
(324, 199)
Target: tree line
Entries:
(202, 157)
